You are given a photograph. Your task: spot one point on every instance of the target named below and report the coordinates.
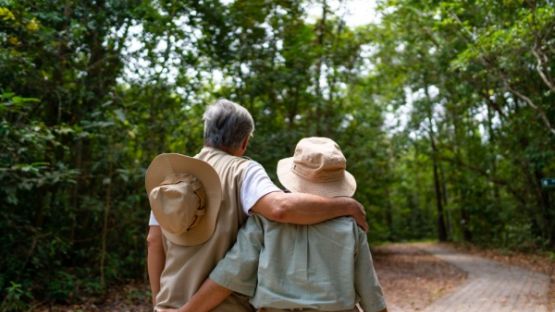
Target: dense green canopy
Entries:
(444, 109)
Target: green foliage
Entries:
(16, 299)
(478, 78)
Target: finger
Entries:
(365, 227)
(361, 207)
(362, 223)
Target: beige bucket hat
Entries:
(317, 167)
(185, 194)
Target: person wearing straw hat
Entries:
(288, 267)
(198, 205)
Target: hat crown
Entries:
(178, 202)
(319, 159)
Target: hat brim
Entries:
(167, 164)
(293, 182)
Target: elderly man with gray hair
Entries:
(179, 261)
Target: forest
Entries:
(444, 109)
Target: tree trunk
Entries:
(104, 236)
(389, 214)
(464, 214)
(321, 31)
(441, 228)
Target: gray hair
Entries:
(226, 124)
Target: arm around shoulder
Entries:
(304, 208)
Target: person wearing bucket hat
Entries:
(195, 217)
(317, 167)
(288, 267)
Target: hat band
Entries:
(321, 175)
(201, 210)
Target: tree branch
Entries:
(540, 57)
(523, 97)
(538, 109)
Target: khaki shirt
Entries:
(187, 267)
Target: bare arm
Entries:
(205, 299)
(155, 259)
(303, 208)
(359, 308)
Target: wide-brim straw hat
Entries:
(185, 195)
(317, 167)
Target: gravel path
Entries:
(490, 286)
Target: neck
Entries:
(238, 152)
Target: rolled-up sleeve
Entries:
(256, 185)
(152, 220)
(367, 286)
(237, 271)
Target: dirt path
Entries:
(411, 278)
(490, 286)
(415, 277)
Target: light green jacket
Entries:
(327, 266)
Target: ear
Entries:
(244, 144)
